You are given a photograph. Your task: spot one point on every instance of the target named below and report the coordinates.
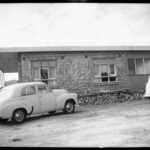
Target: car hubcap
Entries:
(69, 107)
(19, 116)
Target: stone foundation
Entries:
(107, 97)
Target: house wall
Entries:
(75, 70)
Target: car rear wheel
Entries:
(19, 116)
(69, 107)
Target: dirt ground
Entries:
(113, 125)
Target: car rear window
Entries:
(30, 90)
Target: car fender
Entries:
(61, 99)
(8, 109)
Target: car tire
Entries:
(69, 107)
(19, 116)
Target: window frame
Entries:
(135, 66)
(50, 79)
(109, 76)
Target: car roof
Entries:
(16, 89)
(19, 85)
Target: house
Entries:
(82, 69)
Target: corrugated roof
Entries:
(74, 48)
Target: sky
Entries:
(74, 24)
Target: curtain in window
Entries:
(147, 65)
(139, 66)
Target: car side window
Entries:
(43, 89)
(29, 91)
(24, 92)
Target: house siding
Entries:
(75, 70)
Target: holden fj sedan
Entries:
(20, 100)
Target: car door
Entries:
(30, 97)
(47, 99)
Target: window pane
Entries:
(112, 69)
(147, 65)
(104, 70)
(139, 66)
(112, 78)
(36, 74)
(52, 72)
(44, 73)
(131, 66)
(31, 90)
(104, 79)
(104, 73)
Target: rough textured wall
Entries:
(75, 72)
(122, 70)
(26, 69)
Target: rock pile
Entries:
(106, 97)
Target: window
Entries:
(147, 65)
(104, 70)
(139, 66)
(29, 91)
(44, 74)
(44, 71)
(43, 89)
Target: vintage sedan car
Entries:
(20, 100)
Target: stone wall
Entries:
(74, 70)
(111, 96)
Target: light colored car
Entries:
(23, 99)
(147, 89)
